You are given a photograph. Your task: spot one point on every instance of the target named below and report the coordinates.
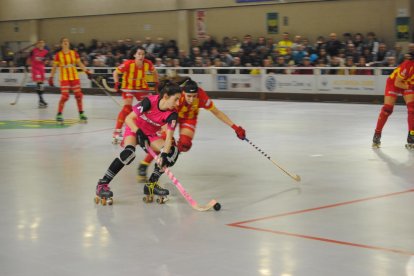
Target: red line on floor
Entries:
(240, 224)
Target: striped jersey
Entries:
(67, 64)
(190, 111)
(405, 71)
(135, 77)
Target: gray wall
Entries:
(82, 20)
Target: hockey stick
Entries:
(212, 204)
(21, 87)
(111, 90)
(292, 175)
(105, 90)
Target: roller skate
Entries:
(59, 119)
(151, 189)
(82, 118)
(410, 140)
(376, 140)
(42, 103)
(142, 173)
(103, 193)
(117, 137)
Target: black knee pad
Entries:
(172, 156)
(127, 155)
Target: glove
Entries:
(89, 74)
(51, 81)
(142, 140)
(164, 160)
(240, 132)
(116, 87)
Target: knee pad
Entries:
(39, 86)
(185, 143)
(172, 156)
(127, 155)
(64, 97)
(387, 109)
(78, 95)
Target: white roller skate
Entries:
(376, 140)
(410, 140)
(117, 137)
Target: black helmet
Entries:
(191, 86)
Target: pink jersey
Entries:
(150, 121)
(37, 57)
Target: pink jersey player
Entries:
(192, 99)
(143, 126)
(37, 60)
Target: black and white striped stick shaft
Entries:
(295, 177)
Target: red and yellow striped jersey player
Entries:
(136, 75)
(67, 61)
(399, 82)
(192, 99)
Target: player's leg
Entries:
(187, 132)
(77, 91)
(409, 100)
(386, 111)
(38, 76)
(64, 97)
(151, 187)
(126, 109)
(126, 156)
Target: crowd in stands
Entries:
(350, 50)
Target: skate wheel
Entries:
(160, 200)
(110, 201)
(217, 206)
(148, 199)
(97, 199)
(103, 201)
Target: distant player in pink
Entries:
(37, 60)
(143, 126)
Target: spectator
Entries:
(284, 44)
(280, 63)
(305, 62)
(235, 46)
(247, 45)
(333, 45)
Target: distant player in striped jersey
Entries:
(192, 99)
(135, 77)
(67, 60)
(36, 60)
(399, 82)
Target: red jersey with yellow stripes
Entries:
(67, 65)
(405, 71)
(134, 76)
(190, 111)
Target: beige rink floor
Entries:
(350, 215)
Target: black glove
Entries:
(142, 139)
(164, 159)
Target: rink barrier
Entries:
(250, 82)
